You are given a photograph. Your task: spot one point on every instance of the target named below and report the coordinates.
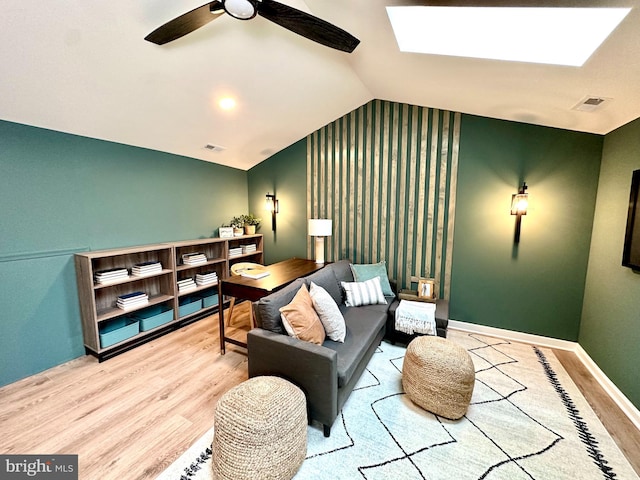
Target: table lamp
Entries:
(320, 228)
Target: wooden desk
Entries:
(243, 288)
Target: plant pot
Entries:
(238, 232)
(249, 229)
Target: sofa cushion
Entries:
(300, 319)
(363, 324)
(382, 307)
(329, 313)
(342, 270)
(363, 272)
(364, 293)
(267, 309)
(326, 279)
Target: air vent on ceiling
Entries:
(590, 103)
(213, 148)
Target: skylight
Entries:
(558, 36)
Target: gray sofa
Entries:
(326, 373)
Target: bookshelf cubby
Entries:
(98, 308)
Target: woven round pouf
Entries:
(260, 431)
(438, 375)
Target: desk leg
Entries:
(252, 313)
(221, 317)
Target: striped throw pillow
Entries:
(364, 293)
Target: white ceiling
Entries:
(83, 67)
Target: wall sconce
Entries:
(320, 228)
(272, 205)
(519, 205)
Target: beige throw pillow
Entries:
(301, 320)
(329, 313)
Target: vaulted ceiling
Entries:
(83, 68)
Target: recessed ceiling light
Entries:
(227, 103)
(558, 36)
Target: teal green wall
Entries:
(62, 194)
(537, 286)
(285, 174)
(610, 330)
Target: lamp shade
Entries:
(320, 227)
(520, 201)
(519, 204)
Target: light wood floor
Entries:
(133, 415)
(621, 429)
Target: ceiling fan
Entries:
(288, 17)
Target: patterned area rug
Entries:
(527, 420)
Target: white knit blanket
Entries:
(416, 317)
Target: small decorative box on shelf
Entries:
(189, 305)
(225, 232)
(117, 330)
(209, 299)
(153, 317)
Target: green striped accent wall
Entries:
(386, 175)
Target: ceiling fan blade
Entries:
(187, 23)
(307, 25)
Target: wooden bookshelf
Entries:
(98, 309)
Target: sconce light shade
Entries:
(271, 204)
(320, 228)
(519, 205)
(520, 201)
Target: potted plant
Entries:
(250, 223)
(238, 225)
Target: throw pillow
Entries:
(301, 320)
(329, 313)
(328, 281)
(364, 293)
(363, 272)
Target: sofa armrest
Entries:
(311, 367)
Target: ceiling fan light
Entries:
(241, 9)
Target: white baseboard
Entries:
(614, 392)
(610, 388)
(528, 338)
